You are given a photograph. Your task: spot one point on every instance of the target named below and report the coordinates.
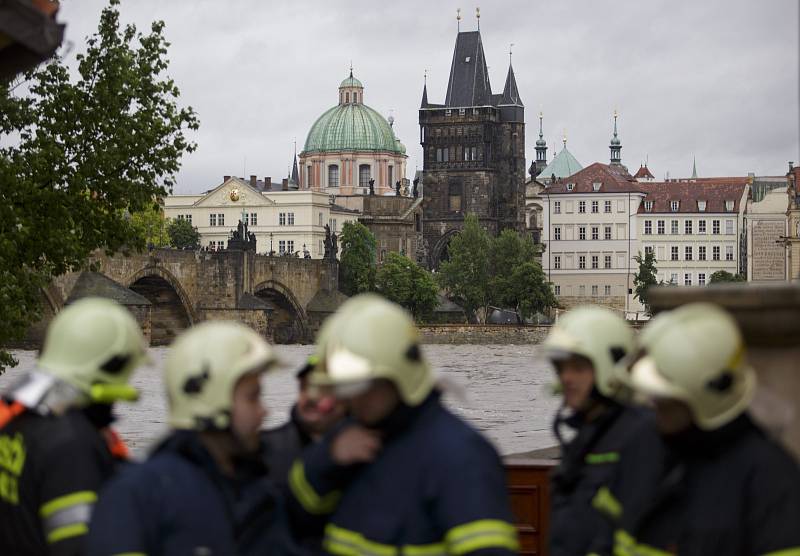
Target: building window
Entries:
(674, 206)
(220, 246)
(701, 226)
(607, 207)
(607, 261)
(674, 253)
(582, 261)
(687, 227)
(715, 227)
(648, 250)
(212, 219)
(347, 98)
(281, 219)
(454, 197)
(648, 206)
(595, 207)
(594, 291)
(595, 233)
(254, 219)
(729, 252)
(557, 289)
(212, 245)
(674, 227)
(220, 219)
(595, 262)
(660, 227)
(607, 290)
(320, 219)
(364, 175)
(333, 176)
(648, 227)
(607, 232)
(582, 291)
(557, 262)
(391, 175)
(282, 246)
(582, 232)
(673, 278)
(729, 227)
(701, 253)
(557, 233)
(715, 253)
(570, 186)
(438, 155)
(332, 224)
(687, 253)
(701, 278)
(581, 206)
(596, 186)
(290, 218)
(557, 207)
(290, 246)
(701, 206)
(728, 206)
(687, 279)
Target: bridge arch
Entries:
(289, 323)
(440, 248)
(171, 310)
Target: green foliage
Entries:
(645, 277)
(77, 153)
(465, 275)
(357, 261)
(723, 277)
(403, 281)
(531, 293)
(182, 235)
(151, 226)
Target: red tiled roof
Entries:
(643, 172)
(613, 179)
(714, 191)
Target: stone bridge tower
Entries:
(473, 151)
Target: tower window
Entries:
(364, 172)
(454, 197)
(333, 175)
(347, 97)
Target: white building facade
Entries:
(283, 222)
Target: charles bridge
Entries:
(284, 298)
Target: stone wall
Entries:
(483, 334)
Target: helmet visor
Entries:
(646, 379)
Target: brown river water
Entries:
(502, 390)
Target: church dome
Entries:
(351, 82)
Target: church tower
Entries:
(616, 145)
(473, 151)
(541, 151)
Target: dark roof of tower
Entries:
(295, 175)
(469, 77)
(510, 91)
(424, 103)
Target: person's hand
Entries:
(355, 444)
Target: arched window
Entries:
(355, 97)
(364, 174)
(347, 97)
(333, 175)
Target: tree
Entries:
(465, 275)
(645, 277)
(357, 261)
(531, 293)
(724, 277)
(403, 281)
(151, 226)
(182, 235)
(80, 153)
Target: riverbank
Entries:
(484, 334)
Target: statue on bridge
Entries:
(397, 188)
(415, 190)
(242, 240)
(372, 186)
(331, 244)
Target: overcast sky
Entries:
(713, 79)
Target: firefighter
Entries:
(205, 489)
(420, 481)
(57, 447)
(595, 426)
(725, 487)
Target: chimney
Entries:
(285, 184)
(268, 183)
(225, 178)
(252, 181)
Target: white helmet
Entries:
(696, 354)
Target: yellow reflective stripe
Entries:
(56, 504)
(424, 549)
(67, 532)
(607, 457)
(626, 545)
(606, 503)
(345, 542)
(483, 533)
(795, 551)
(311, 501)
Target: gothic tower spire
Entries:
(616, 145)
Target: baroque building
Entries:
(473, 151)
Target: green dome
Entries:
(351, 82)
(351, 127)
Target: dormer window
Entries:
(462, 111)
(596, 186)
(728, 206)
(648, 206)
(570, 186)
(448, 112)
(674, 206)
(701, 206)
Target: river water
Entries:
(502, 390)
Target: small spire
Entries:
(541, 115)
(478, 17)
(694, 167)
(510, 48)
(616, 114)
(424, 103)
(458, 19)
(564, 138)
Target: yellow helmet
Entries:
(371, 338)
(597, 334)
(202, 369)
(696, 354)
(94, 345)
